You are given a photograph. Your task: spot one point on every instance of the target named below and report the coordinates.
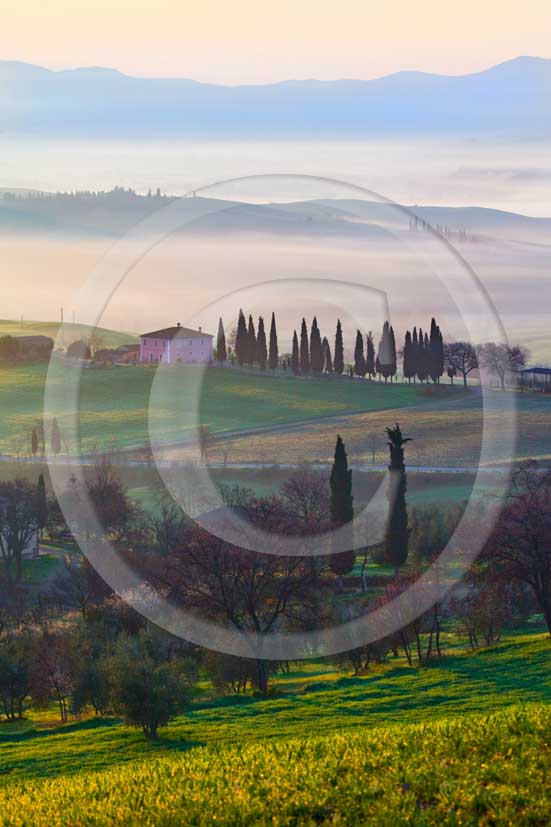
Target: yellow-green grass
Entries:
(483, 771)
(313, 699)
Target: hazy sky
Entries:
(249, 41)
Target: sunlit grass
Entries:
(480, 770)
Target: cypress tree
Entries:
(316, 350)
(422, 371)
(304, 351)
(241, 339)
(34, 442)
(360, 367)
(327, 360)
(295, 362)
(55, 438)
(436, 352)
(342, 506)
(273, 359)
(414, 354)
(397, 532)
(392, 351)
(251, 342)
(408, 366)
(385, 356)
(370, 355)
(221, 352)
(338, 359)
(41, 504)
(261, 349)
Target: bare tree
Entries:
(79, 586)
(502, 360)
(305, 497)
(461, 357)
(520, 547)
(52, 675)
(18, 524)
(248, 591)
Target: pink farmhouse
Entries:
(178, 344)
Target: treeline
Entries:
(81, 647)
(423, 356)
(312, 353)
(117, 193)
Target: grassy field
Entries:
(439, 745)
(295, 419)
(314, 698)
(490, 770)
(115, 403)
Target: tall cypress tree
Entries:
(251, 342)
(408, 366)
(34, 442)
(338, 357)
(304, 350)
(295, 359)
(370, 355)
(397, 532)
(385, 356)
(327, 360)
(342, 506)
(261, 349)
(221, 352)
(360, 368)
(436, 352)
(414, 354)
(422, 347)
(392, 351)
(241, 339)
(273, 358)
(41, 507)
(316, 350)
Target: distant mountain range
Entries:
(112, 214)
(512, 99)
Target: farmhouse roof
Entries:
(177, 330)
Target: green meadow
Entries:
(462, 742)
(115, 402)
(314, 698)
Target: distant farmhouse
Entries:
(178, 344)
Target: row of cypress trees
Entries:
(251, 345)
(423, 354)
(313, 354)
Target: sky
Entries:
(246, 41)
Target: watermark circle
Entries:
(62, 401)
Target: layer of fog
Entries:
(178, 279)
